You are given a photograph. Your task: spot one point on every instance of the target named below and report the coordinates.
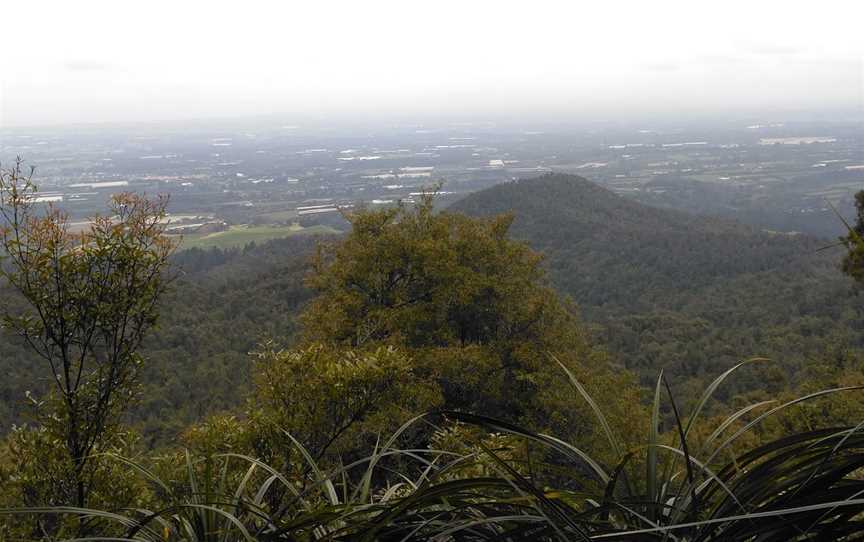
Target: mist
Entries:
(93, 62)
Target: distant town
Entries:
(239, 182)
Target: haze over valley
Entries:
(778, 175)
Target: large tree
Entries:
(471, 307)
(90, 298)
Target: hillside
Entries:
(606, 249)
(222, 304)
(674, 290)
(662, 288)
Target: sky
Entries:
(89, 61)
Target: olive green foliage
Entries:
(334, 402)
(412, 276)
(419, 311)
(853, 263)
(690, 294)
(37, 471)
(662, 289)
(89, 298)
(838, 369)
(221, 305)
(678, 485)
(516, 485)
(470, 306)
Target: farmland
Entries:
(240, 235)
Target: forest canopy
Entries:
(434, 377)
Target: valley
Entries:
(658, 288)
(783, 176)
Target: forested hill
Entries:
(606, 249)
(221, 306)
(666, 289)
(680, 291)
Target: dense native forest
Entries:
(689, 294)
(543, 360)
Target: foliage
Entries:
(91, 297)
(690, 294)
(469, 306)
(837, 369)
(418, 309)
(36, 470)
(335, 402)
(670, 487)
(655, 288)
(221, 305)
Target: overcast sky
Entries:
(105, 61)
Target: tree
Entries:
(853, 263)
(334, 402)
(92, 297)
(472, 309)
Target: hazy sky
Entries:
(96, 61)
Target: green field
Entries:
(238, 236)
